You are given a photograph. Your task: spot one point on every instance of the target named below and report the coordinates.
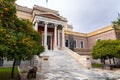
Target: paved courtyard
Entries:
(63, 67)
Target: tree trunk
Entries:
(113, 60)
(110, 60)
(12, 73)
(104, 61)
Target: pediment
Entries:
(52, 16)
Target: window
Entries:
(81, 44)
(74, 44)
(66, 43)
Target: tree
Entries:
(106, 49)
(18, 40)
(116, 24)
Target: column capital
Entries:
(45, 23)
(62, 26)
(56, 25)
(37, 21)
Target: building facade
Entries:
(56, 33)
(48, 23)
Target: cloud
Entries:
(84, 15)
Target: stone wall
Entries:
(101, 36)
(24, 15)
(118, 34)
(83, 51)
(89, 40)
(78, 39)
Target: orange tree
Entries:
(106, 49)
(18, 40)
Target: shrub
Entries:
(96, 65)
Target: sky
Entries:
(85, 15)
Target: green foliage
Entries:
(96, 65)
(8, 69)
(18, 40)
(106, 48)
(6, 72)
(116, 24)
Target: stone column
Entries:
(63, 37)
(45, 36)
(55, 37)
(36, 26)
(58, 39)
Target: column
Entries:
(58, 39)
(55, 37)
(45, 36)
(36, 26)
(63, 37)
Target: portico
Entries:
(51, 28)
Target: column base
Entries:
(55, 47)
(46, 48)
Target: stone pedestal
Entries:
(44, 64)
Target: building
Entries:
(48, 23)
(56, 33)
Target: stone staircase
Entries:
(62, 66)
(84, 60)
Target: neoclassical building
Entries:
(48, 23)
(56, 33)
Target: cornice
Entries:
(100, 31)
(43, 9)
(76, 33)
(24, 9)
(97, 32)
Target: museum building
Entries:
(56, 33)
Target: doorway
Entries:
(49, 42)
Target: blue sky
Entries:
(85, 15)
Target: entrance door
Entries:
(49, 42)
